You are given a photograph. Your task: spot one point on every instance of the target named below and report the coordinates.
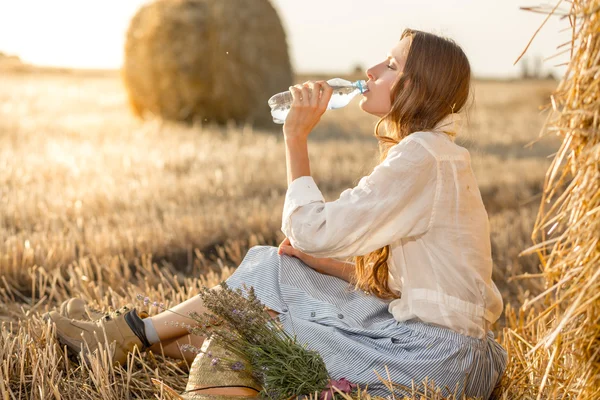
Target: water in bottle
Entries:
(343, 92)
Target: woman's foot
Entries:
(122, 333)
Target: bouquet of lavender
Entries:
(279, 364)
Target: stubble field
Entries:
(98, 204)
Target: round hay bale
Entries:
(206, 60)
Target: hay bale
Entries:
(206, 60)
(555, 340)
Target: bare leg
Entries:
(174, 336)
(172, 347)
(162, 322)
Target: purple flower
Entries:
(209, 353)
(342, 384)
(237, 366)
(214, 361)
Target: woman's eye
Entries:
(389, 66)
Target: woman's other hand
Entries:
(318, 264)
(327, 266)
(310, 102)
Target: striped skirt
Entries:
(356, 335)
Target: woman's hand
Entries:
(310, 102)
(328, 266)
(318, 264)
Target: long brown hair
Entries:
(435, 82)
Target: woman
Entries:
(416, 228)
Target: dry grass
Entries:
(557, 350)
(97, 204)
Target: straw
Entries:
(554, 347)
(206, 61)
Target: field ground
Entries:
(88, 192)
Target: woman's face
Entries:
(382, 76)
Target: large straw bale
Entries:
(206, 60)
(554, 341)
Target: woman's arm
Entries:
(395, 201)
(309, 104)
(340, 269)
(296, 155)
(329, 266)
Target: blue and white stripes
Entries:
(355, 334)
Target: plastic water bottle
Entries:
(343, 92)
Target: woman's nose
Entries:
(369, 74)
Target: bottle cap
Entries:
(361, 85)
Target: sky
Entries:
(324, 36)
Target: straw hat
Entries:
(204, 376)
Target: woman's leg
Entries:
(163, 322)
(172, 337)
(172, 347)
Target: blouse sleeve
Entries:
(395, 201)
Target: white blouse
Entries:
(423, 201)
